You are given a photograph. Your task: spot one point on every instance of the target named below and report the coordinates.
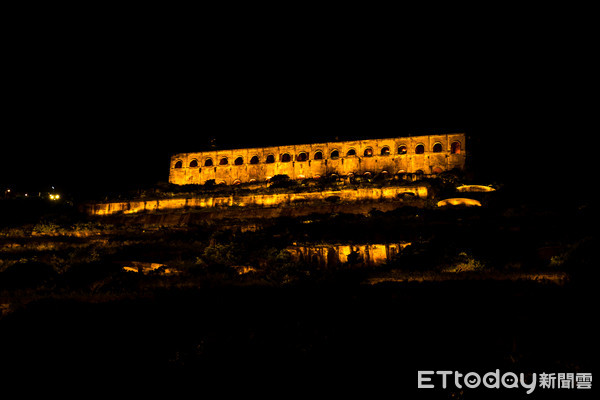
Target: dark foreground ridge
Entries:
(334, 338)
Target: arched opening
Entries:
(285, 157)
(334, 155)
(318, 155)
(270, 159)
(332, 258)
(420, 149)
(208, 162)
(302, 156)
(315, 259)
(179, 164)
(224, 161)
(368, 152)
(385, 151)
(437, 148)
(437, 170)
(402, 149)
(351, 153)
(455, 148)
(237, 182)
(254, 160)
(193, 163)
(239, 161)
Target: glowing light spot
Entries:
(459, 202)
(475, 188)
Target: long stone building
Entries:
(430, 154)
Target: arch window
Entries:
(224, 161)
(368, 152)
(239, 161)
(334, 155)
(254, 160)
(402, 149)
(179, 164)
(193, 163)
(351, 153)
(318, 155)
(385, 151)
(420, 149)
(208, 162)
(285, 157)
(270, 159)
(302, 156)
(237, 182)
(437, 148)
(455, 148)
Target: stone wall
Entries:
(329, 255)
(262, 200)
(428, 154)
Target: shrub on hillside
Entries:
(27, 275)
(85, 274)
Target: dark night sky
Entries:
(85, 108)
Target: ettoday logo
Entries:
(507, 380)
(472, 380)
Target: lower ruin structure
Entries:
(330, 255)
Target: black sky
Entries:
(88, 107)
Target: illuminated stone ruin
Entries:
(430, 154)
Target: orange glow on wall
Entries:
(459, 202)
(475, 188)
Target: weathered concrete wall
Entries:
(394, 155)
(264, 200)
